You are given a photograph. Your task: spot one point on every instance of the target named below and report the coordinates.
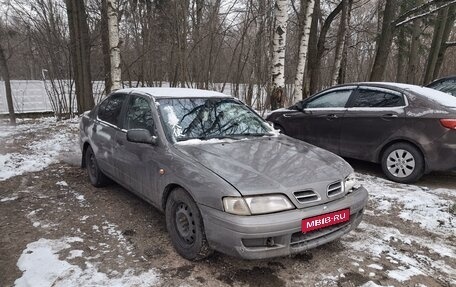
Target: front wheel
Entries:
(185, 226)
(402, 162)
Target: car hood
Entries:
(275, 164)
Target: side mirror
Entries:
(141, 136)
(300, 106)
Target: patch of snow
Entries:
(373, 284)
(5, 199)
(62, 183)
(208, 141)
(41, 266)
(417, 204)
(381, 241)
(375, 266)
(75, 253)
(37, 156)
(403, 274)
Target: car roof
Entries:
(174, 92)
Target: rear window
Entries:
(377, 99)
(447, 86)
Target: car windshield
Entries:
(206, 118)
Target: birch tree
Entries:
(278, 98)
(114, 49)
(303, 50)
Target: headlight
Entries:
(256, 204)
(350, 183)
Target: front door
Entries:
(320, 121)
(137, 163)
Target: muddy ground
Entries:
(120, 232)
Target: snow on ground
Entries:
(42, 265)
(40, 153)
(420, 205)
(412, 204)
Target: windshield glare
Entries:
(204, 118)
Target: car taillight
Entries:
(449, 123)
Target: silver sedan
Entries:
(225, 179)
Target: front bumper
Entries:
(278, 234)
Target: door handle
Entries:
(287, 115)
(332, 116)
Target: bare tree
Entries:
(384, 41)
(80, 48)
(303, 49)
(278, 97)
(6, 78)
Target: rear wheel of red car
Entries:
(96, 176)
(185, 226)
(403, 162)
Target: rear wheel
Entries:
(403, 162)
(185, 226)
(96, 176)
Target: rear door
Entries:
(373, 116)
(320, 121)
(104, 130)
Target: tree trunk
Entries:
(80, 54)
(384, 42)
(341, 39)
(6, 77)
(439, 29)
(105, 46)
(401, 48)
(313, 52)
(321, 49)
(413, 61)
(303, 50)
(113, 28)
(449, 24)
(278, 97)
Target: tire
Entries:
(96, 176)
(403, 163)
(185, 226)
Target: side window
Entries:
(139, 115)
(109, 109)
(336, 99)
(377, 99)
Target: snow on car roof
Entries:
(434, 95)
(175, 92)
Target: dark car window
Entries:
(139, 115)
(109, 109)
(447, 86)
(377, 99)
(336, 99)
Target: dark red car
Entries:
(409, 129)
